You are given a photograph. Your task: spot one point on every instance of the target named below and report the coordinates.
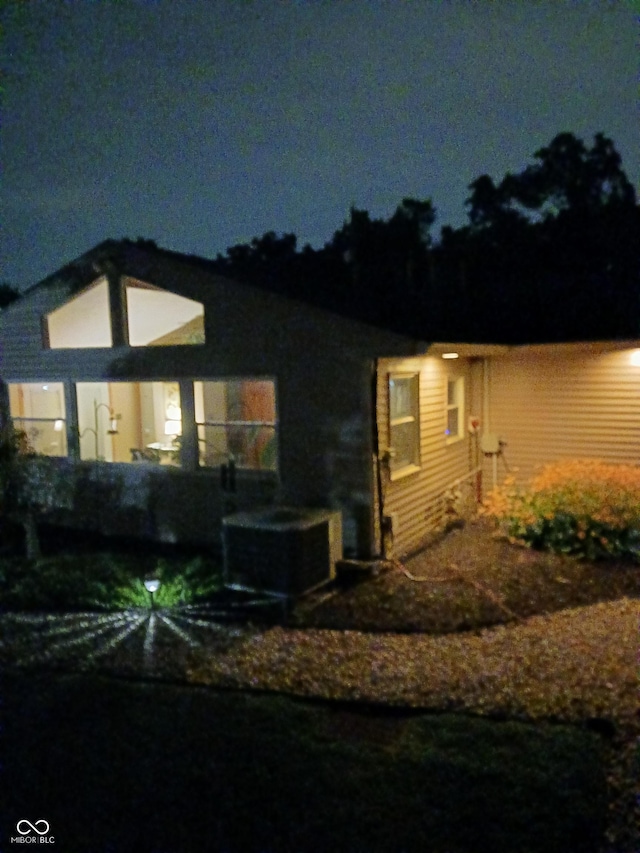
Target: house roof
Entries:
(199, 279)
(189, 275)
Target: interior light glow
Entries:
(450, 355)
(57, 425)
(173, 427)
(635, 358)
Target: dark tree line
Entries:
(550, 253)
(8, 294)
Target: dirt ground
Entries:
(468, 579)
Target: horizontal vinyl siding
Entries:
(21, 331)
(418, 498)
(559, 405)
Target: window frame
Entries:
(163, 453)
(242, 424)
(128, 283)
(187, 457)
(396, 469)
(60, 423)
(45, 321)
(119, 321)
(458, 405)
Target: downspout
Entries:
(486, 410)
(376, 454)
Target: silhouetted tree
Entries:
(549, 253)
(552, 252)
(8, 294)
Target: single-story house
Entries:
(171, 396)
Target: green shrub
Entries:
(179, 584)
(582, 507)
(103, 582)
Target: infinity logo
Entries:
(32, 827)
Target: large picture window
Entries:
(38, 410)
(133, 422)
(82, 322)
(130, 421)
(158, 317)
(153, 317)
(404, 423)
(236, 419)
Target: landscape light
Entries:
(152, 585)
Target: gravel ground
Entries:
(574, 665)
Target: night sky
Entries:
(204, 123)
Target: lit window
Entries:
(38, 410)
(236, 420)
(455, 409)
(155, 317)
(82, 322)
(130, 421)
(159, 318)
(404, 423)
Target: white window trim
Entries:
(413, 467)
(459, 405)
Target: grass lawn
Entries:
(120, 766)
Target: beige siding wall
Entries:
(564, 403)
(417, 500)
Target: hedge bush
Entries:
(583, 507)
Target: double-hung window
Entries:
(455, 409)
(404, 423)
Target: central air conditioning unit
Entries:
(281, 551)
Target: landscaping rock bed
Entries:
(470, 578)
